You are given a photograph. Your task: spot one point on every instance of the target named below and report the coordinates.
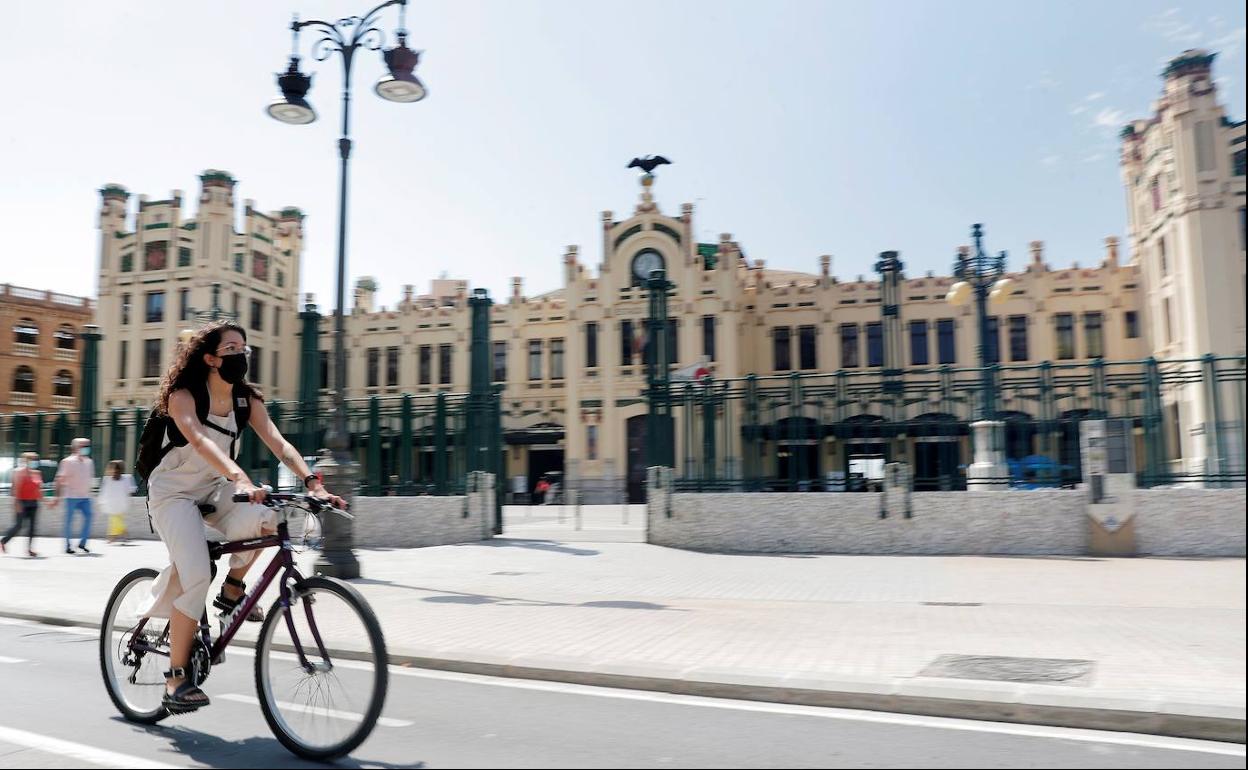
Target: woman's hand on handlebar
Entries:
(254, 493)
(323, 494)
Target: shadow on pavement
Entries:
(215, 751)
(537, 545)
(443, 596)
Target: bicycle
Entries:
(305, 688)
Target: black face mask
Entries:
(233, 368)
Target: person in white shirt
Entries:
(115, 491)
(74, 479)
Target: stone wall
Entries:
(1024, 523)
(1189, 522)
(380, 522)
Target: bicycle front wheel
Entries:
(325, 704)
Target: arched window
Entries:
(26, 332)
(66, 338)
(63, 383)
(24, 380)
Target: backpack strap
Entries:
(242, 413)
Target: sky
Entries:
(801, 128)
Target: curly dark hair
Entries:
(188, 367)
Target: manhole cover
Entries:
(1003, 669)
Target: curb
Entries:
(1002, 704)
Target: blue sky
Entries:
(803, 128)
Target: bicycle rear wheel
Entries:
(135, 680)
(329, 707)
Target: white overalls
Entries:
(177, 486)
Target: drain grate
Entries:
(953, 604)
(1004, 669)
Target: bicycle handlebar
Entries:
(316, 505)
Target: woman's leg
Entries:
(30, 522)
(19, 517)
(182, 629)
(179, 523)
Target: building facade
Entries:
(40, 349)
(571, 363)
(166, 270)
(1183, 169)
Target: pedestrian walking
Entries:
(27, 492)
(74, 479)
(116, 488)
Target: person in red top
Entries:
(27, 492)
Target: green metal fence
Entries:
(812, 432)
(404, 444)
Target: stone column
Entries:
(989, 472)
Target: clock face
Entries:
(645, 262)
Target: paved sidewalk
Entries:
(1165, 638)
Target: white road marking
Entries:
(333, 713)
(76, 751)
(879, 717)
(6, 659)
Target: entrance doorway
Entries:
(545, 461)
(864, 465)
(936, 461)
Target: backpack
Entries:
(161, 434)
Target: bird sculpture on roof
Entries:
(649, 163)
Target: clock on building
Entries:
(644, 262)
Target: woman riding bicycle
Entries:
(193, 485)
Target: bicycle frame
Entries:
(282, 562)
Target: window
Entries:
(156, 256)
(257, 315)
(123, 367)
(1237, 163)
(673, 341)
(946, 341)
(500, 361)
(1094, 334)
(1154, 189)
(374, 365)
(626, 343)
(125, 309)
(807, 357)
(708, 337)
(591, 442)
(1161, 256)
(324, 369)
(1243, 229)
(26, 332)
(556, 359)
(277, 321)
(535, 359)
(1204, 146)
(127, 263)
(151, 358)
(66, 339)
(184, 257)
(235, 308)
(154, 308)
(426, 364)
(781, 349)
(591, 344)
(63, 384)
(1018, 338)
(238, 263)
(875, 344)
(849, 346)
(273, 379)
(1169, 323)
(259, 266)
(444, 364)
(992, 347)
(392, 367)
(184, 304)
(918, 344)
(1065, 336)
(24, 380)
(254, 370)
(281, 279)
(1131, 320)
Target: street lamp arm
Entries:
(335, 36)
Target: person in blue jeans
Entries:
(74, 478)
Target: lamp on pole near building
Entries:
(982, 277)
(345, 37)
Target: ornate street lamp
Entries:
(982, 276)
(345, 37)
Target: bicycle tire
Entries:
(106, 651)
(377, 642)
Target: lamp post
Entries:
(345, 37)
(983, 277)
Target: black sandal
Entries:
(228, 605)
(186, 697)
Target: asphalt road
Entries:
(54, 713)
